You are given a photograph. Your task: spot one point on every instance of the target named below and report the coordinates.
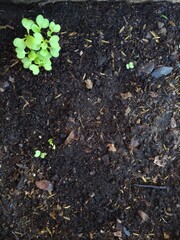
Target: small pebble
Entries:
(126, 231)
(44, 185)
(6, 84)
(20, 145)
(147, 68)
(92, 173)
(163, 31)
(160, 25)
(161, 71)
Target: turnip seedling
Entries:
(51, 143)
(130, 65)
(39, 154)
(39, 45)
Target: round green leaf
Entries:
(38, 37)
(54, 52)
(43, 155)
(51, 26)
(57, 28)
(26, 62)
(39, 20)
(39, 56)
(131, 65)
(37, 153)
(45, 23)
(46, 61)
(42, 22)
(54, 40)
(56, 47)
(34, 68)
(32, 43)
(35, 28)
(27, 23)
(47, 67)
(32, 55)
(44, 45)
(20, 53)
(19, 43)
(49, 33)
(54, 27)
(44, 52)
(38, 62)
(37, 47)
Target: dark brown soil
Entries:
(121, 132)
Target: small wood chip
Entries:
(89, 84)
(143, 216)
(161, 162)
(44, 185)
(70, 138)
(111, 147)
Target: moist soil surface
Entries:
(115, 171)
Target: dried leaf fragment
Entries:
(172, 23)
(126, 95)
(160, 162)
(52, 215)
(70, 138)
(143, 216)
(72, 34)
(44, 185)
(111, 147)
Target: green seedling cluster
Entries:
(39, 154)
(130, 65)
(39, 45)
(52, 144)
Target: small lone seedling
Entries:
(130, 65)
(51, 143)
(39, 45)
(39, 154)
(164, 16)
